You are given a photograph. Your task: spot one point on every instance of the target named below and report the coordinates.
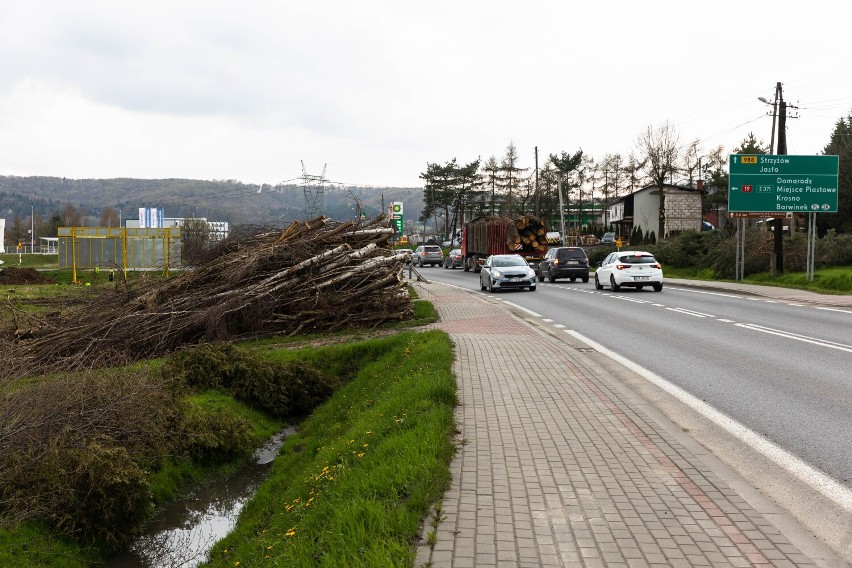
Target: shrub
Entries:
(288, 390)
(216, 437)
(103, 495)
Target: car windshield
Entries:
(504, 261)
(572, 253)
(432, 249)
(637, 259)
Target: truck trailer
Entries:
(484, 236)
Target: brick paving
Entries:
(555, 468)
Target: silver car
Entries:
(631, 268)
(506, 272)
(427, 254)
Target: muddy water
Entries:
(183, 533)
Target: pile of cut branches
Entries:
(313, 276)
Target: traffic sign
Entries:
(780, 184)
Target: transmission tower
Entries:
(313, 186)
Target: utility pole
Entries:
(781, 150)
(536, 183)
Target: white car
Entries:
(631, 268)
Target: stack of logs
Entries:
(531, 233)
(313, 276)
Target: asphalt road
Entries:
(780, 369)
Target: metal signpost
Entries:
(764, 186)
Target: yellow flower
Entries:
(291, 532)
(365, 445)
(236, 563)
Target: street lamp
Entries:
(32, 229)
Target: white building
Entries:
(642, 209)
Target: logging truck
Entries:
(484, 236)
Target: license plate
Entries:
(573, 262)
(640, 277)
(514, 279)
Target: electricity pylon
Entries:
(313, 187)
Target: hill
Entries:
(218, 200)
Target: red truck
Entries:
(484, 236)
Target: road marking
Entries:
(706, 292)
(523, 309)
(548, 320)
(725, 320)
(808, 474)
(691, 313)
(558, 325)
(797, 337)
(836, 310)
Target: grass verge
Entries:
(836, 280)
(354, 485)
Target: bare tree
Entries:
(659, 149)
(71, 216)
(109, 218)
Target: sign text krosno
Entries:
(802, 184)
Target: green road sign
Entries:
(780, 184)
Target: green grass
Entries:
(173, 478)
(354, 485)
(44, 261)
(31, 544)
(826, 281)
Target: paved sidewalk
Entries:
(557, 467)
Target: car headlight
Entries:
(530, 273)
(496, 273)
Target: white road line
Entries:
(523, 309)
(548, 320)
(836, 310)
(797, 337)
(810, 475)
(705, 292)
(725, 320)
(559, 325)
(691, 313)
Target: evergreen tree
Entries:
(840, 145)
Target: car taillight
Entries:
(656, 265)
(622, 266)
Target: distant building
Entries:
(219, 230)
(642, 209)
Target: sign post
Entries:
(397, 217)
(773, 184)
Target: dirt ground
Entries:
(22, 276)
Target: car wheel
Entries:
(598, 285)
(658, 287)
(639, 286)
(481, 285)
(552, 278)
(573, 279)
(615, 287)
(586, 278)
(490, 285)
(532, 288)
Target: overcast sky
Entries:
(375, 90)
